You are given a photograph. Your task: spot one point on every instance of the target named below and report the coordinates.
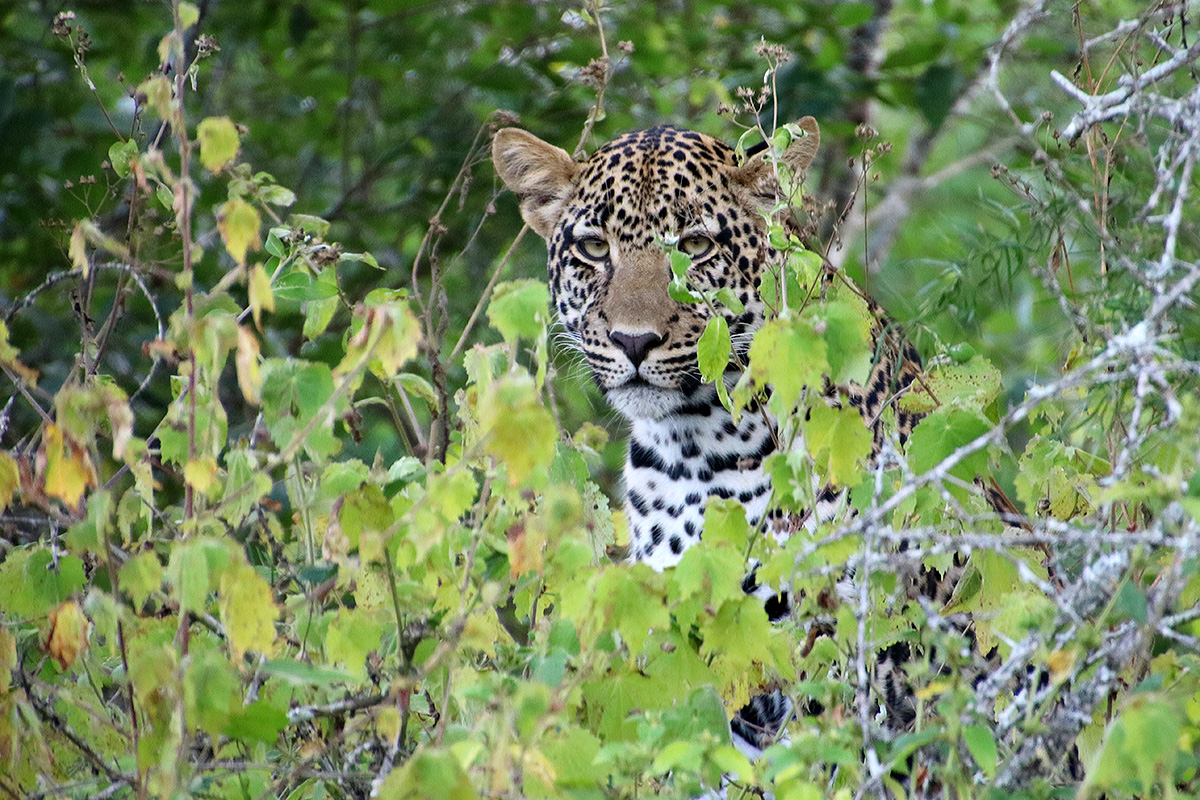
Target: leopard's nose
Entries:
(636, 345)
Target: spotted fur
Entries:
(609, 223)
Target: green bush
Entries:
(282, 518)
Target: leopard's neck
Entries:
(676, 463)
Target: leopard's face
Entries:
(610, 224)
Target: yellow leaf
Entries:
(68, 469)
(8, 358)
(534, 763)
(159, 95)
(239, 222)
(521, 432)
(261, 296)
(1060, 663)
(8, 659)
(189, 15)
(932, 690)
(68, 633)
(200, 473)
(248, 611)
(249, 378)
(10, 479)
(218, 142)
(387, 723)
(77, 250)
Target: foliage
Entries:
(280, 519)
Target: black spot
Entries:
(644, 458)
(679, 471)
(777, 606)
(656, 535)
(692, 499)
(722, 463)
(676, 545)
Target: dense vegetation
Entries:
(300, 497)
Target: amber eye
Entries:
(696, 246)
(592, 248)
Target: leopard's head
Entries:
(609, 222)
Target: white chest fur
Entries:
(676, 464)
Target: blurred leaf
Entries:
(218, 145)
(248, 611)
(519, 309)
(239, 224)
(68, 633)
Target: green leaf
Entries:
(736, 643)
(713, 349)
(293, 393)
(278, 195)
(839, 441)
(702, 715)
(298, 286)
(521, 431)
(351, 636)
(260, 721)
(573, 756)
(725, 523)
(1130, 602)
(32, 582)
(936, 90)
(982, 746)
(973, 384)
(519, 309)
(187, 572)
(297, 673)
(141, 575)
(120, 154)
(365, 516)
(789, 355)
(211, 693)
(218, 142)
(680, 262)
(941, 433)
(846, 321)
(705, 578)
(428, 774)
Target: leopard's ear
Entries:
(542, 175)
(757, 175)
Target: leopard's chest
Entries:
(677, 464)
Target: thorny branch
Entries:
(1047, 712)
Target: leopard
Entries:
(610, 222)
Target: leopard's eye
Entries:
(592, 248)
(696, 246)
